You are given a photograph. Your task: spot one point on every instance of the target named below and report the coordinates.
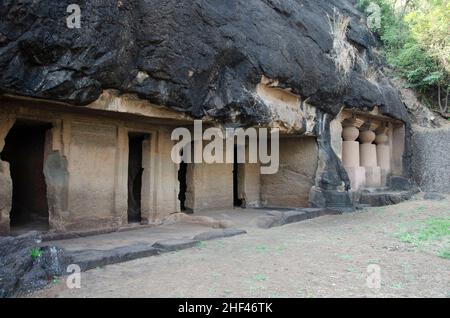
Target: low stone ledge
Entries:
(269, 221)
(173, 245)
(90, 259)
(386, 198)
(400, 184)
(433, 196)
(217, 234)
(280, 218)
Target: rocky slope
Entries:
(25, 267)
(203, 57)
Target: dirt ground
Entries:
(324, 257)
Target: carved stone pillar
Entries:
(383, 153)
(368, 156)
(351, 154)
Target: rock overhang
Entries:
(204, 58)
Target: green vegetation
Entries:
(432, 231)
(35, 253)
(202, 245)
(56, 280)
(260, 278)
(262, 248)
(416, 38)
(445, 254)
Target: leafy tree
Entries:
(416, 38)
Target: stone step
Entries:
(218, 233)
(90, 259)
(279, 218)
(386, 198)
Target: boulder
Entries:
(21, 270)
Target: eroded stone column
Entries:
(351, 155)
(368, 156)
(6, 186)
(383, 153)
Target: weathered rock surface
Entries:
(203, 57)
(383, 198)
(20, 272)
(433, 196)
(400, 184)
(421, 115)
(431, 158)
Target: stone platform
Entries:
(90, 252)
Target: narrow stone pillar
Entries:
(351, 156)
(350, 147)
(383, 154)
(6, 186)
(368, 157)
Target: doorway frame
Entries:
(148, 193)
(54, 124)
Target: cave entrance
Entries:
(25, 151)
(237, 201)
(183, 183)
(182, 175)
(135, 172)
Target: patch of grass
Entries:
(35, 253)
(202, 245)
(445, 254)
(434, 229)
(345, 257)
(344, 53)
(373, 261)
(421, 209)
(431, 231)
(351, 270)
(260, 278)
(262, 248)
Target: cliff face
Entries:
(202, 57)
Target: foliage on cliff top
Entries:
(416, 37)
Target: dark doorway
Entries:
(237, 201)
(24, 150)
(135, 171)
(182, 172)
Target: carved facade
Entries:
(108, 165)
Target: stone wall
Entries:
(290, 187)
(209, 186)
(86, 166)
(431, 158)
(249, 184)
